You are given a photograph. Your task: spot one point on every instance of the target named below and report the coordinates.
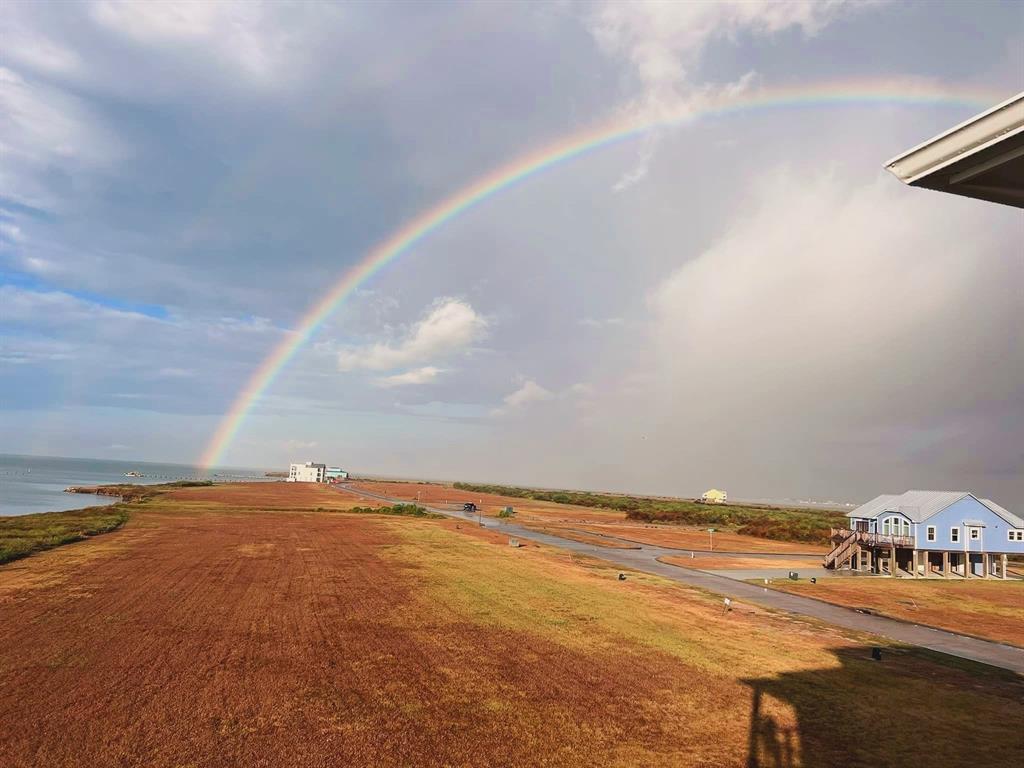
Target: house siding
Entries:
(993, 536)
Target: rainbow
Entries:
(899, 93)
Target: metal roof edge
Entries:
(986, 503)
(996, 134)
(958, 127)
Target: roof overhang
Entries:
(981, 158)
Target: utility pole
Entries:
(711, 539)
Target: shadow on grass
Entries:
(896, 711)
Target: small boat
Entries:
(133, 473)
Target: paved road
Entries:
(646, 559)
(732, 573)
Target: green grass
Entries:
(27, 534)
(778, 523)
(402, 510)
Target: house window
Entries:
(1015, 535)
(931, 533)
(895, 526)
(954, 535)
(975, 534)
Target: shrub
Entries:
(404, 510)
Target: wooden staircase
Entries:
(845, 543)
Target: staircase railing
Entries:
(873, 539)
(841, 551)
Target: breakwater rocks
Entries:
(95, 490)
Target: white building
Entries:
(307, 473)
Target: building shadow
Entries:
(822, 717)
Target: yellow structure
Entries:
(714, 496)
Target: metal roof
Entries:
(982, 157)
(1007, 515)
(918, 506)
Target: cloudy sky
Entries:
(746, 301)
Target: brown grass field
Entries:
(992, 609)
(741, 562)
(216, 630)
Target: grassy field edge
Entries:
(27, 535)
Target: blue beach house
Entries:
(928, 533)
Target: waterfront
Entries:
(36, 483)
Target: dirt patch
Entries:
(261, 549)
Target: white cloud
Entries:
(11, 232)
(263, 41)
(36, 51)
(450, 326)
(640, 170)
(662, 43)
(423, 375)
(528, 393)
(59, 309)
(42, 129)
(593, 322)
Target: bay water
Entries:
(36, 483)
